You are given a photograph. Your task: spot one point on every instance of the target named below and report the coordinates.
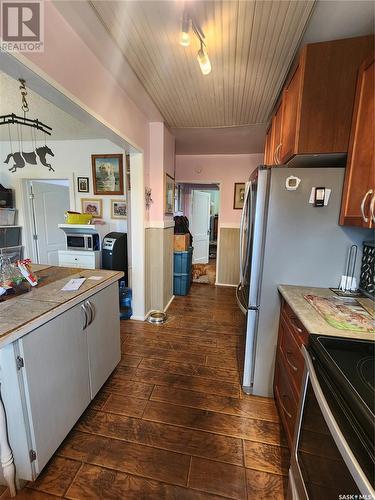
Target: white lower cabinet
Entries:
(49, 376)
(79, 258)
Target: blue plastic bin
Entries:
(181, 284)
(182, 261)
(125, 295)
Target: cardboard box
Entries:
(181, 242)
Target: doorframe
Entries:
(16, 65)
(28, 224)
(209, 183)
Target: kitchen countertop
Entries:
(311, 319)
(22, 313)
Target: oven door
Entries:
(322, 463)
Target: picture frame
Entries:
(83, 184)
(239, 195)
(119, 209)
(168, 194)
(108, 174)
(93, 206)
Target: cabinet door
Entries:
(290, 115)
(103, 335)
(359, 187)
(56, 380)
(267, 147)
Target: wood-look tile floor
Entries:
(172, 422)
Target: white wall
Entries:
(72, 159)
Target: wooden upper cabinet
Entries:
(317, 102)
(358, 201)
(273, 139)
(290, 114)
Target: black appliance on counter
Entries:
(333, 453)
(115, 253)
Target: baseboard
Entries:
(169, 303)
(139, 318)
(225, 284)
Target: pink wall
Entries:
(162, 160)
(72, 65)
(224, 169)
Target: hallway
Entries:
(172, 422)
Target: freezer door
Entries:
(246, 242)
(249, 360)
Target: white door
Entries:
(56, 379)
(103, 335)
(49, 201)
(200, 226)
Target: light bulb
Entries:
(204, 61)
(185, 26)
(185, 39)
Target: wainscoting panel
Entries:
(159, 267)
(229, 252)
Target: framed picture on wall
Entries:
(93, 206)
(107, 174)
(119, 209)
(239, 195)
(169, 194)
(83, 184)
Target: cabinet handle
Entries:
(275, 155)
(293, 367)
(372, 207)
(364, 199)
(283, 407)
(92, 311)
(299, 330)
(85, 316)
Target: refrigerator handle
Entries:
(243, 309)
(242, 226)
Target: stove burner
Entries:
(366, 369)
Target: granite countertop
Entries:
(311, 319)
(22, 313)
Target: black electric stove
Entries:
(348, 369)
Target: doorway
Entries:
(200, 203)
(45, 202)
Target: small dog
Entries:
(107, 177)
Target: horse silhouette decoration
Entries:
(21, 159)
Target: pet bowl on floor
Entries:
(157, 317)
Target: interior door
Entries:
(200, 226)
(49, 200)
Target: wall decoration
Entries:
(107, 174)
(168, 194)
(83, 184)
(119, 209)
(93, 206)
(148, 199)
(21, 158)
(239, 195)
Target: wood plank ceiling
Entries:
(250, 44)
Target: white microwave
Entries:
(76, 241)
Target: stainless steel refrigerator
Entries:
(285, 240)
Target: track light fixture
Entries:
(185, 27)
(202, 56)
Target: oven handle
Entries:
(345, 451)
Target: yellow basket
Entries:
(71, 218)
